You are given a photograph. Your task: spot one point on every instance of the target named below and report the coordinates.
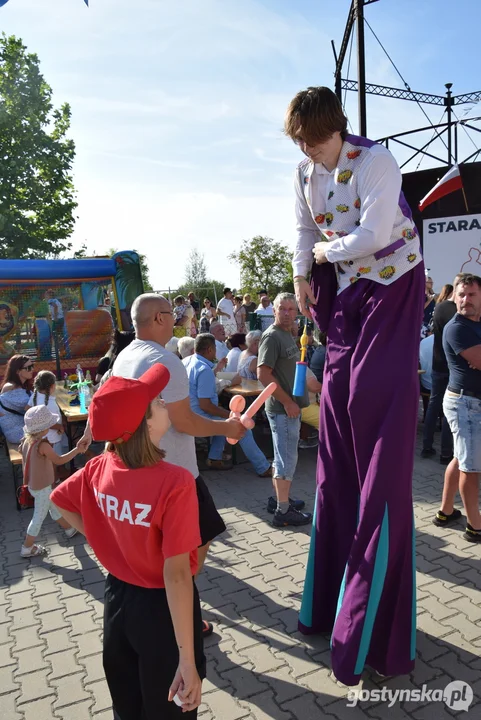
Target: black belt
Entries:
(468, 393)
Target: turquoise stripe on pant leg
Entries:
(342, 589)
(413, 614)
(305, 616)
(377, 584)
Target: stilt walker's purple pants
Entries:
(360, 581)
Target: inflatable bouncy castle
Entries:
(62, 312)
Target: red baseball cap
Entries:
(119, 406)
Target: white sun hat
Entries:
(39, 418)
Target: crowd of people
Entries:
(232, 312)
(143, 504)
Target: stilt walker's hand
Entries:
(187, 685)
(319, 252)
(303, 294)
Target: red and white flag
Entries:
(449, 183)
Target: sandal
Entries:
(33, 551)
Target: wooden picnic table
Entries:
(248, 388)
(71, 413)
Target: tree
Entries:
(144, 271)
(36, 191)
(82, 253)
(211, 289)
(264, 264)
(195, 270)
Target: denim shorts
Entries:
(285, 439)
(463, 414)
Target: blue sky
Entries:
(178, 107)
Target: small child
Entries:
(44, 394)
(38, 460)
(179, 309)
(140, 515)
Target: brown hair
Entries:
(14, 365)
(467, 279)
(138, 451)
(446, 292)
(314, 115)
(43, 383)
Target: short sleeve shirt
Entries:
(443, 313)
(136, 359)
(134, 519)
(461, 334)
(227, 306)
(201, 382)
(278, 350)
(52, 304)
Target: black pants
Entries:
(140, 653)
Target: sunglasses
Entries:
(29, 368)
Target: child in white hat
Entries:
(38, 460)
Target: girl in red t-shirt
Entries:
(140, 516)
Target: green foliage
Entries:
(36, 191)
(211, 289)
(197, 280)
(82, 253)
(144, 271)
(196, 270)
(264, 264)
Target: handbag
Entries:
(24, 496)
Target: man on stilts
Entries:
(366, 292)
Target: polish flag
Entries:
(448, 184)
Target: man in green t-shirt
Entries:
(278, 354)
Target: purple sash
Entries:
(324, 287)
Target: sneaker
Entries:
(442, 520)
(445, 459)
(291, 517)
(296, 504)
(428, 452)
(218, 465)
(305, 444)
(71, 532)
(472, 535)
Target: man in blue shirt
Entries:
(204, 401)
(462, 406)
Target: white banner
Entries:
(452, 245)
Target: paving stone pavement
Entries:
(259, 666)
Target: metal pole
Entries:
(337, 74)
(456, 143)
(361, 68)
(449, 103)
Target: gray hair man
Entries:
(278, 354)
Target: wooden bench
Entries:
(16, 462)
